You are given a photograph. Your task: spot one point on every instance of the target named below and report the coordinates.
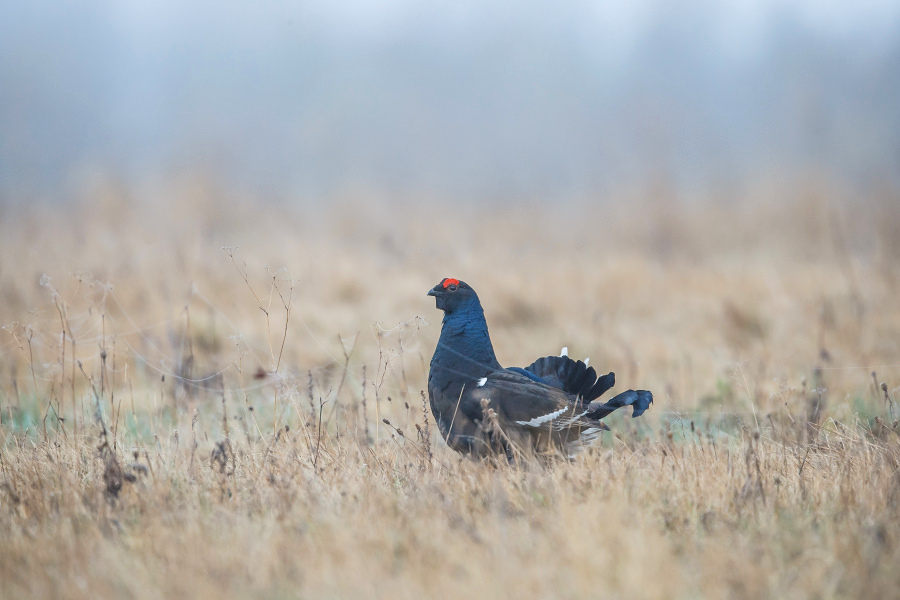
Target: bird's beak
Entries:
(432, 292)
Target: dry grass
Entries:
(179, 420)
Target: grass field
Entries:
(204, 397)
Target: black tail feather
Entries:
(572, 376)
(639, 400)
(603, 384)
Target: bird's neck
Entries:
(466, 344)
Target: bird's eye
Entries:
(452, 287)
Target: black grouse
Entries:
(483, 409)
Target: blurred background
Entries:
(307, 101)
(704, 199)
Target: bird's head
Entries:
(452, 295)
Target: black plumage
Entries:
(548, 407)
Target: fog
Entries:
(463, 99)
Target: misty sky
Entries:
(500, 99)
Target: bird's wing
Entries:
(518, 399)
(571, 376)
